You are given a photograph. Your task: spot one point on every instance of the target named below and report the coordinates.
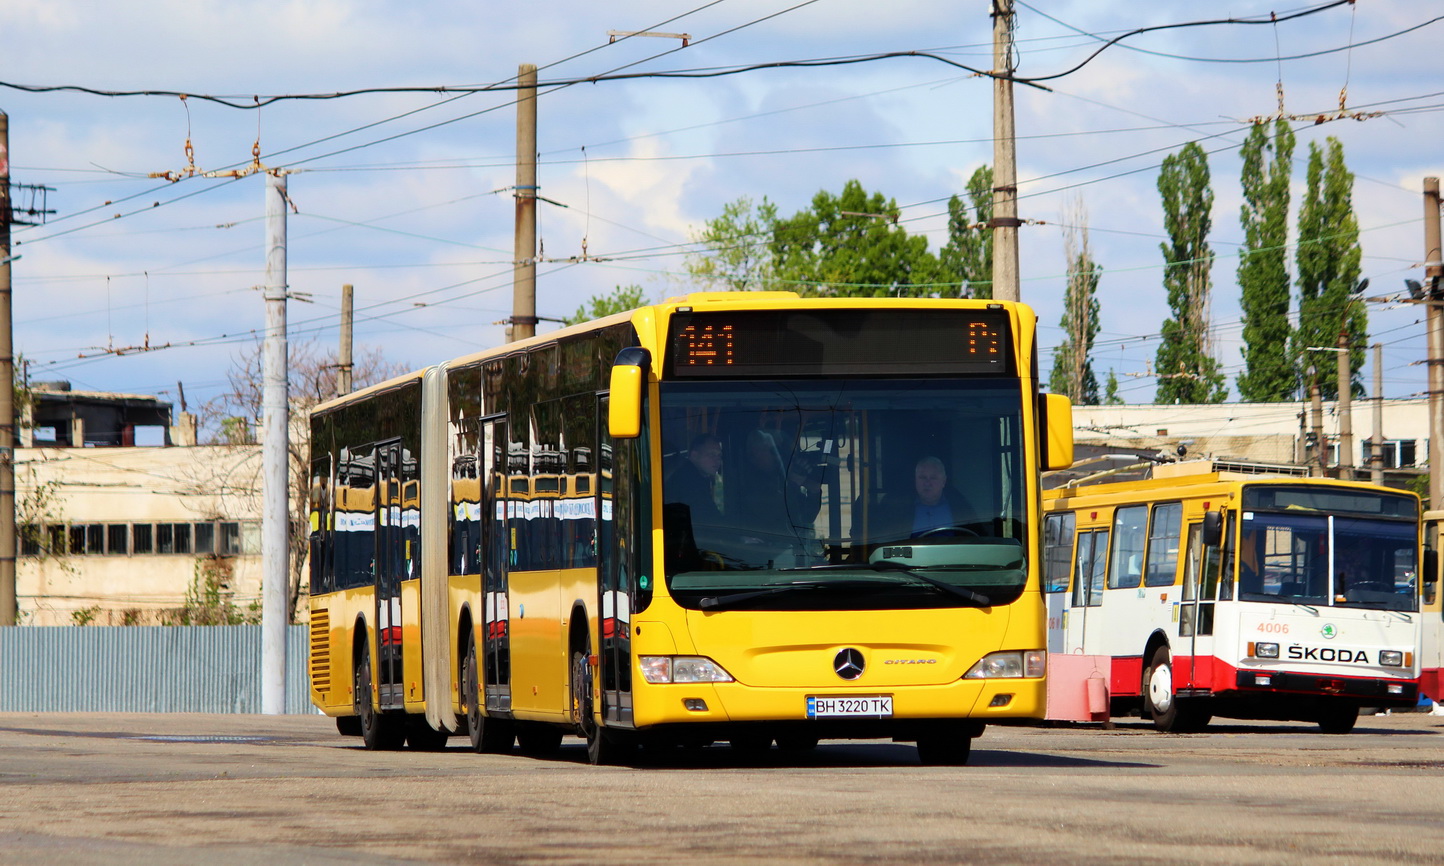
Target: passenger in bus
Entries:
(934, 505)
(694, 482)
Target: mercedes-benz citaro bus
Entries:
(742, 517)
(1218, 593)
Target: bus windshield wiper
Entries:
(715, 601)
(888, 567)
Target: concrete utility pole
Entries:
(1376, 451)
(343, 368)
(9, 605)
(523, 299)
(1316, 421)
(1005, 169)
(1434, 279)
(1346, 411)
(275, 457)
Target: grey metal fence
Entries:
(143, 669)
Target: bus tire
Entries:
(380, 732)
(944, 749)
(1338, 718)
(604, 747)
(1171, 714)
(489, 735)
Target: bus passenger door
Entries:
(495, 648)
(622, 506)
(1196, 612)
(389, 565)
(1091, 557)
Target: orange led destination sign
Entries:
(750, 343)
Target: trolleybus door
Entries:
(1196, 611)
(1088, 576)
(389, 565)
(495, 558)
(621, 508)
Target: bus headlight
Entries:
(1265, 650)
(682, 669)
(1391, 658)
(1009, 665)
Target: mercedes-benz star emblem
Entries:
(849, 664)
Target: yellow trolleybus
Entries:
(1222, 594)
(746, 517)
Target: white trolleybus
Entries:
(1209, 593)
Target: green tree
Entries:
(622, 299)
(736, 252)
(967, 257)
(1072, 367)
(1110, 391)
(1328, 264)
(1270, 374)
(850, 245)
(1187, 371)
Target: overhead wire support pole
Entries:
(1434, 280)
(9, 604)
(275, 457)
(1005, 220)
(523, 299)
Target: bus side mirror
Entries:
(629, 383)
(1057, 411)
(1431, 574)
(1212, 528)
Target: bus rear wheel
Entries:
(489, 735)
(380, 732)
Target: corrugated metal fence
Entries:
(143, 669)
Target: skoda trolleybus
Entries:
(1431, 672)
(1243, 596)
(741, 517)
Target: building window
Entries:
(230, 539)
(142, 537)
(205, 538)
(1397, 453)
(118, 543)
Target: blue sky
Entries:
(422, 226)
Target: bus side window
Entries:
(1125, 566)
(1057, 550)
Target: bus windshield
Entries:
(1328, 560)
(844, 494)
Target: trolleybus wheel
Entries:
(1338, 718)
(488, 735)
(379, 731)
(1170, 714)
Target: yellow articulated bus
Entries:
(746, 517)
(1245, 596)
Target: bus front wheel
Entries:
(1170, 714)
(603, 746)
